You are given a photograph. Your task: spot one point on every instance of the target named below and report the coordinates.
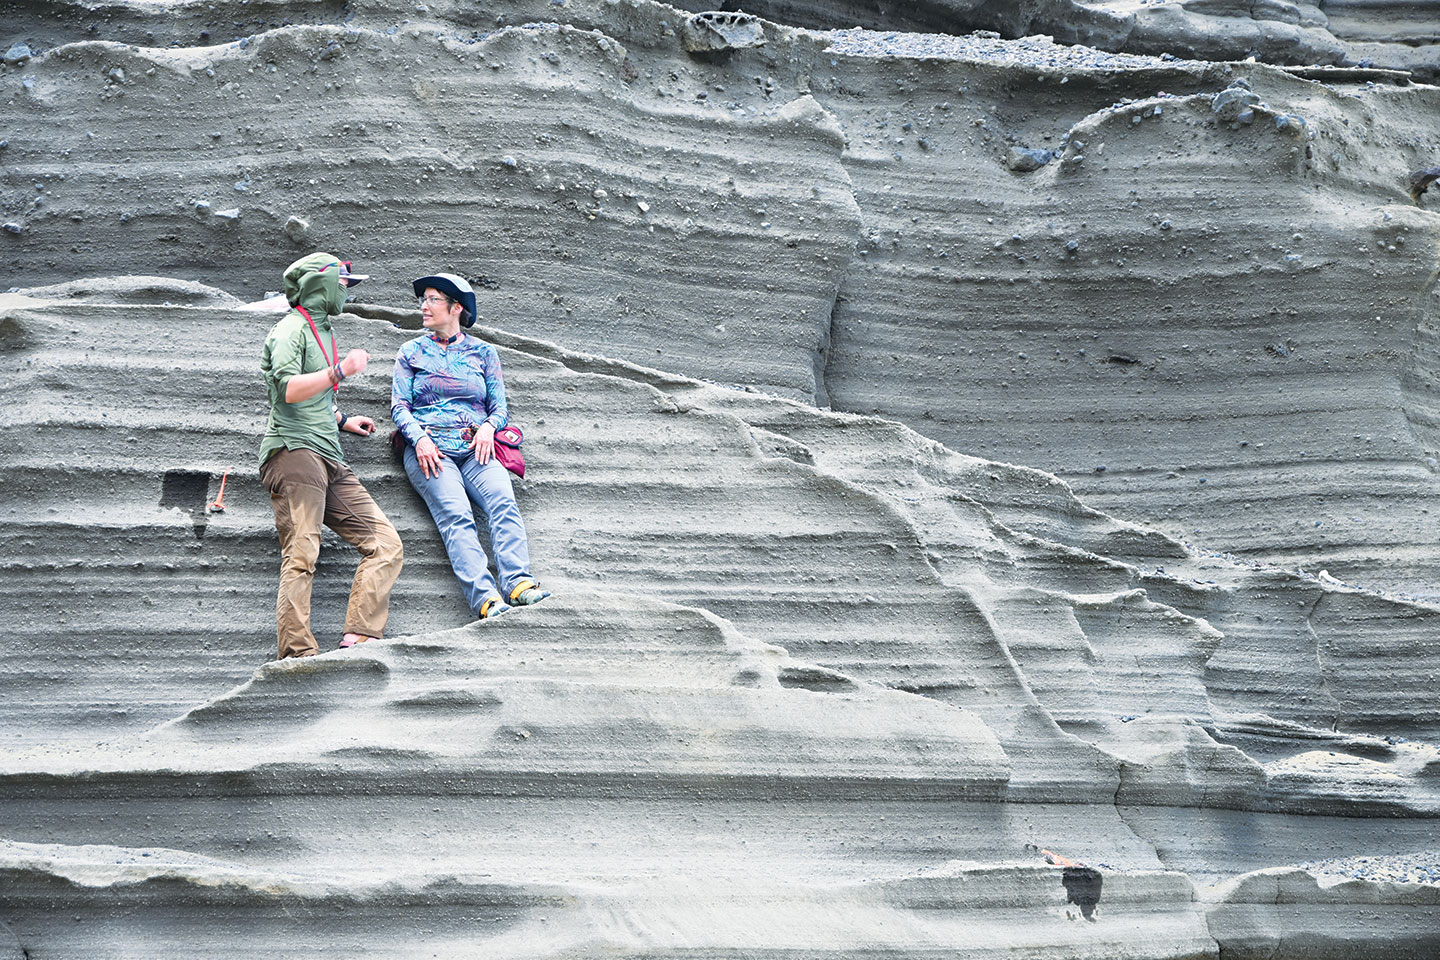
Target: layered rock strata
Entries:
(1175, 310)
(810, 647)
(1396, 35)
(1036, 676)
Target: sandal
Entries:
(527, 592)
(493, 607)
(346, 642)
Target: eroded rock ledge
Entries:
(865, 656)
(1036, 673)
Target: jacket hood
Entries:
(314, 282)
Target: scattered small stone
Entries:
(202, 208)
(229, 215)
(12, 227)
(296, 228)
(242, 185)
(1166, 225)
(509, 162)
(117, 74)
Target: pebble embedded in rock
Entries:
(1025, 159)
(1233, 103)
(18, 53)
(12, 227)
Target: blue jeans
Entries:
(449, 497)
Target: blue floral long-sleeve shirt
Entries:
(444, 391)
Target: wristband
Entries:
(337, 375)
(343, 418)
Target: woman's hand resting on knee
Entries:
(483, 446)
(431, 462)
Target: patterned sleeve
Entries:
(402, 396)
(497, 412)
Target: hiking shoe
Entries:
(492, 608)
(527, 592)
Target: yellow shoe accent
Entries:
(521, 587)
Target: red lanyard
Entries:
(334, 356)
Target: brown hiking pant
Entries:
(306, 490)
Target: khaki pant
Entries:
(306, 490)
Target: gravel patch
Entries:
(1039, 51)
(1422, 867)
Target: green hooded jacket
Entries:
(312, 282)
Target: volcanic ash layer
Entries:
(812, 682)
(809, 682)
(1202, 293)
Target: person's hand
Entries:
(431, 462)
(483, 446)
(361, 425)
(355, 362)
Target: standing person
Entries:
(302, 466)
(448, 399)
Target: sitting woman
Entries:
(447, 400)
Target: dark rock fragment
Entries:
(1420, 181)
(1025, 159)
(1235, 101)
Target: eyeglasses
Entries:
(423, 302)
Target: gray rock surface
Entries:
(947, 559)
(1399, 35)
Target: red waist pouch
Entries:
(508, 440)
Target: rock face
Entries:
(1396, 35)
(923, 523)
